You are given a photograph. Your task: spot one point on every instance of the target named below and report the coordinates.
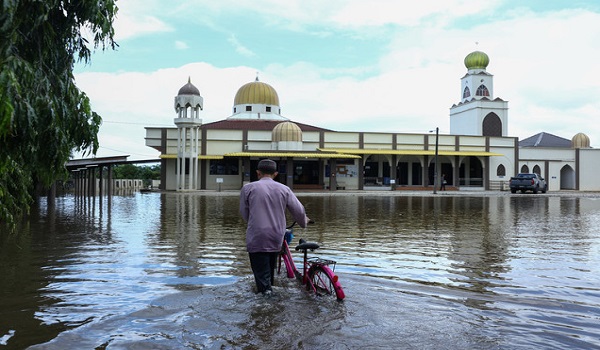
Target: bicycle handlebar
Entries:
(310, 222)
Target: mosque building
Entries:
(476, 155)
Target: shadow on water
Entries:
(170, 271)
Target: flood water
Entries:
(170, 271)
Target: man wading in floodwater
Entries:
(262, 205)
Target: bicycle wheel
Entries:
(326, 282)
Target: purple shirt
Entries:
(262, 205)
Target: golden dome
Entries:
(477, 60)
(286, 131)
(580, 140)
(256, 92)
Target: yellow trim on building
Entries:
(411, 152)
(174, 156)
(347, 153)
(292, 154)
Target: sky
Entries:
(378, 65)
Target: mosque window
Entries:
(536, 169)
(525, 169)
(501, 170)
(482, 91)
(226, 166)
(467, 92)
(268, 108)
(248, 108)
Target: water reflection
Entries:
(149, 270)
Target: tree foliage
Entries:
(130, 171)
(44, 117)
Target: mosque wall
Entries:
(219, 134)
(341, 138)
(472, 141)
(259, 135)
(170, 183)
(508, 142)
(589, 169)
(311, 136)
(310, 146)
(555, 178)
(222, 147)
(409, 140)
(378, 138)
(229, 182)
(529, 155)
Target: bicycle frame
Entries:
(313, 270)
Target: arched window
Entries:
(466, 92)
(482, 91)
(492, 125)
(536, 169)
(501, 170)
(524, 169)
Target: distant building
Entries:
(476, 155)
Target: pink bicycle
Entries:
(317, 274)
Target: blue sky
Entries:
(348, 65)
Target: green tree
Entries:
(44, 117)
(143, 172)
(125, 171)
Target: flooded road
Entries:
(170, 271)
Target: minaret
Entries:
(478, 112)
(188, 104)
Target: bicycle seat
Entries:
(304, 245)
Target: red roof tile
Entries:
(255, 125)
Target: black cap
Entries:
(267, 166)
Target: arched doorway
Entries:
(409, 171)
(376, 170)
(444, 168)
(492, 125)
(567, 178)
(470, 172)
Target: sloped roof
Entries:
(474, 99)
(255, 125)
(545, 139)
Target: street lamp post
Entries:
(435, 169)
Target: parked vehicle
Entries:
(528, 182)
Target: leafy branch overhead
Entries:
(44, 117)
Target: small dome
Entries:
(580, 140)
(477, 60)
(286, 131)
(189, 89)
(256, 92)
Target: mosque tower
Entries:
(188, 104)
(478, 112)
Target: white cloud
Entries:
(239, 48)
(181, 45)
(136, 18)
(301, 15)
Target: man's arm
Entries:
(244, 208)
(297, 210)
